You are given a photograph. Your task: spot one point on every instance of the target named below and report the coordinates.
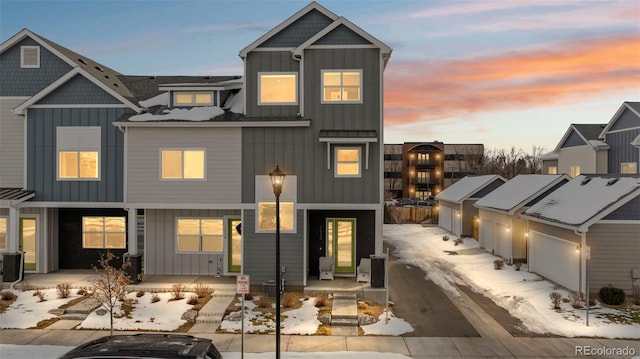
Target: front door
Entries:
(234, 245)
(341, 234)
(28, 242)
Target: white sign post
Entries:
(243, 284)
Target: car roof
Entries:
(143, 346)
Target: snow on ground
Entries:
(193, 114)
(525, 295)
(390, 325)
(28, 310)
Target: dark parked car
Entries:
(159, 346)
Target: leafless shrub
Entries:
(556, 298)
(83, 292)
(575, 298)
(7, 295)
(264, 302)
(64, 290)
(445, 238)
(248, 296)
(140, 293)
(517, 265)
(289, 300)
(40, 294)
(321, 301)
(25, 286)
(201, 289)
(193, 299)
(177, 290)
(155, 298)
(498, 264)
(458, 241)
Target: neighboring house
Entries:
(457, 213)
(589, 216)
(173, 171)
(501, 230)
(581, 151)
(622, 134)
(549, 163)
(424, 169)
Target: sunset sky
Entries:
(501, 73)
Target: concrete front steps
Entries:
(344, 314)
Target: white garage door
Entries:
(554, 258)
(502, 241)
(444, 218)
(456, 222)
(486, 234)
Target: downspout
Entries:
(583, 260)
(300, 82)
(21, 271)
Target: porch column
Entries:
(132, 232)
(14, 228)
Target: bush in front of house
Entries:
(611, 295)
(556, 298)
(7, 295)
(445, 238)
(498, 264)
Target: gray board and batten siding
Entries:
(223, 165)
(621, 150)
(629, 211)
(574, 140)
(12, 140)
(272, 61)
(17, 81)
(42, 174)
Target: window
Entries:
(193, 98)
(277, 88)
(3, 233)
(30, 57)
(199, 235)
(183, 164)
(104, 232)
(267, 216)
(574, 171)
(341, 86)
(78, 151)
(347, 162)
(629, 167)
(552, 170)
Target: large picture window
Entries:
(347, 162)
(183, 164)
(104, 232)
(341, 86)
(199, 235)
(3, 233)
(267, 216)
(278, 88)
(78, 151)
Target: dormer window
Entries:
(30, 57)
(193, 99)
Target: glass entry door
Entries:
(234, 245)
(341, 244)
(28, 242)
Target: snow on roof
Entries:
(183, 114)
(598, 144)
(235, 102)
(583, 198)
(160, 100)
(516, 191)
(549, 156)
(464, 188)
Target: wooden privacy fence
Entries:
(410, 214)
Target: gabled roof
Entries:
(466, 187)
(588, 132)
(631, 106)
(519, 191)
(585, 200)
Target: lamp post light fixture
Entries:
(277, 180)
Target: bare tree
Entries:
(111, 287)
(512, 162)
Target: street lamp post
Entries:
(277, 179)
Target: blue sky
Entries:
(502, 73)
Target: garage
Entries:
(502, 240)
(486, 234)
(554, 258)
(444, 218)
(456, 222)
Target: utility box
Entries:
(11, 267)
(378, 272)
(269, 288)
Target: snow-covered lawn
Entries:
(525, 295)
(27, 311)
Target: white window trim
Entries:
(200, 241)
(260, 103)
(22, 64)
(634, 164)
(182, 151)
(335, 161)
(63, 148)
(6, 218)
(104, 232)
(193, 98)
(341, 102)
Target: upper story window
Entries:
(199, 235)
(552, 170)
(30, 57)
(277, 88)
(193, 99)
(182, 164)
(341, 86)
(104, 232)
(574, 171)
(629, 167)
(347, 162)
(78, 152)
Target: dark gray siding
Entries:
(342, 35)
(629, 211)
(573, 140)
(627, 119)
(41, 155)
(299, 31)
(79, 90)
(621, 150)
(268, 62)
(260, 251)
(488, 189)
(16, 81)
